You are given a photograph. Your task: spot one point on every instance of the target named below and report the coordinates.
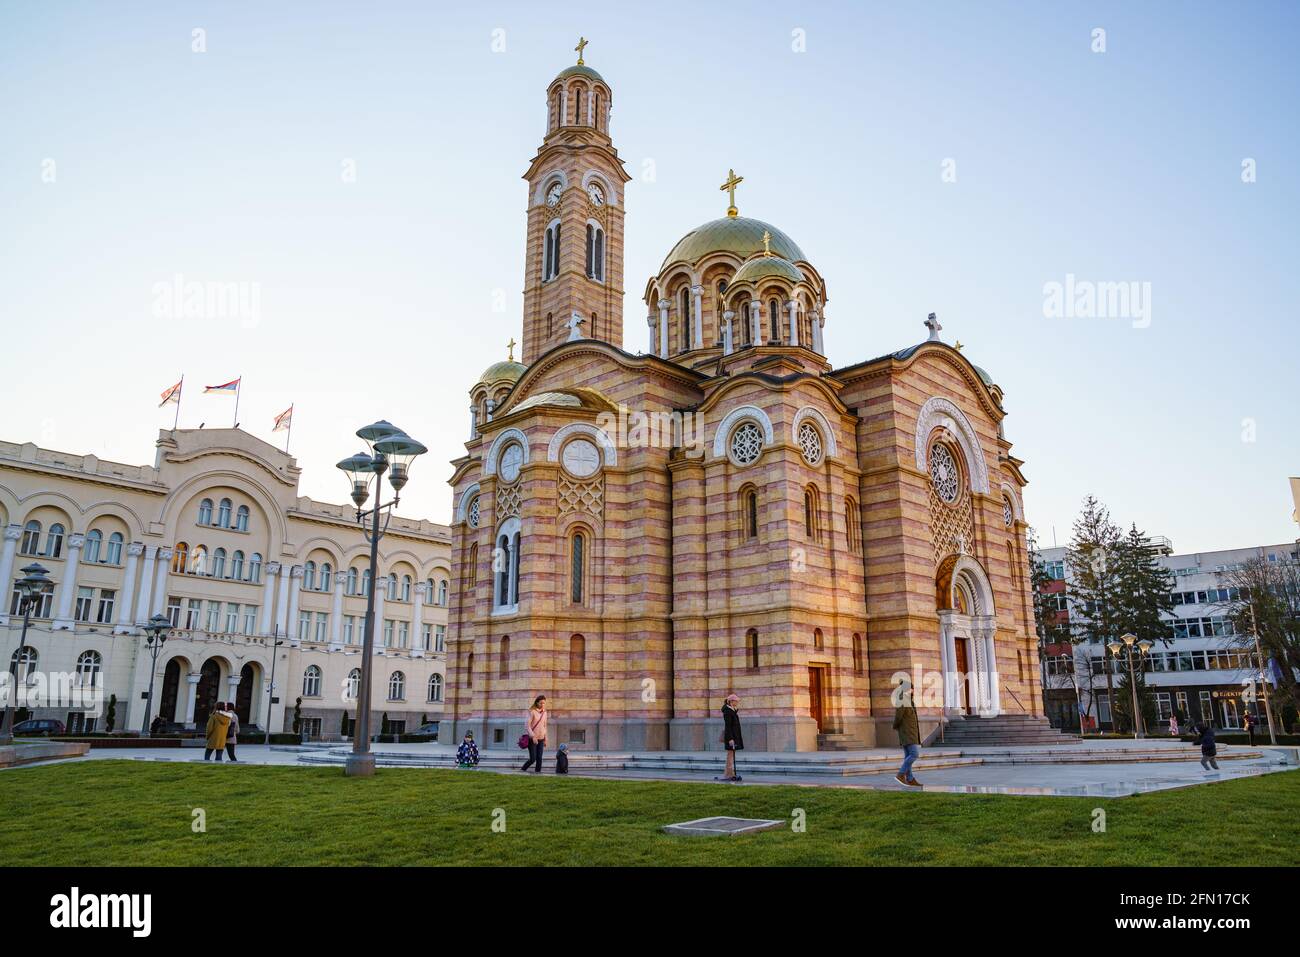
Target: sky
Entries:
(355, 170)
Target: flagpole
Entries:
(290, 430)
(239, 384)
(179, 393)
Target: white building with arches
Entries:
(216, 536)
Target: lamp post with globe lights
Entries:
(1144, 646)
(391, 451)
(31, 588)
(155, 632)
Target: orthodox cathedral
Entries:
(639, 534)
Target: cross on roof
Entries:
(510, 349)
(729, 187)
(582, 42)
(767, 243)
(932, 323)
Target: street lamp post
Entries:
(276, 642)
(155, 637)
(31, 588)
(391, 451)
(1144, 646)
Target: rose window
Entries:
(1008, 513)
(943, 474)
(746, 443)
(473, 512)
(810, 440)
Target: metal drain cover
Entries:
(715, 826)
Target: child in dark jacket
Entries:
(467, 753)
(1205, 738)
(562, 760)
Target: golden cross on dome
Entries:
(582, 42)
(957, 345)
(729, 187)
(510, 349)
(767, 243)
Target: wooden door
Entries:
(815, 695)
(963, 700)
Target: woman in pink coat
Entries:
(535, 728)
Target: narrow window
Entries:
(577, 567)
(751, 514)
(503, 669)
(751, 647)
(577, 656)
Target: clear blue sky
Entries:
(225, 166)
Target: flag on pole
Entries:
(284, 420)
(171, 394)
(231, 386)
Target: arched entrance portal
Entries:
(967, 624)
(206, 693)
(170, 691)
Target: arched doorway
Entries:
(244, 696)
(967, 624)
(170, 690)
(206, 692)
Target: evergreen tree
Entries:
(1050, 623)
(1143, 597)
(297, 716)
(110, 716)
(1093, 583)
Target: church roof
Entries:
(903, 354)
(548, 398)
(580, 70)
(733, 234)
(764, 267)
(503, 371)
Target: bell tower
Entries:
(573, 270)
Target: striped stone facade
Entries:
(637, 535)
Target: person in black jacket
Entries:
(732, 739)
(1205, 738)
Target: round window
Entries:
(472, 512)
(944, 474)
(512, 459)
(581, 458)
(746, 443)
(810, 442)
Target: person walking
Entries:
(1205, 738)
(1251, 723)
(218, 725)
(535, 728)
(233, 732)
(732, 738)
(1173, 723)
(909, 737)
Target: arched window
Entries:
(577, 656)
(503, 567)
(751, 647)
(311, 682)
(31, 538)
(686, 342)
(742, 319)
(241, 518)
(115, 542)
(551, 252)
(237, 566)
(180, 556)
(90, 665)
(94, 542)
(811, 529)
(774, 320)
(749, 503)
(469, 670)
(353, 688)
(219, 563)
(406, 588)
(595, 253)
(503, 665)
(396, 686)
(819, 640)
(54, 541)
(852, 524)
(255, 568)
(472, 575)
(351, 583)
(577, 566)
(223, 512)
(326, 576)
(22, 663)
(857, 653)
(442, 591)
(308, 576)
(205, 512)
(435, 688)
(199, 561)
(392, 586)
(365, 582)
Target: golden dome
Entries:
(765, 267)
(503, 371)
(580, 70)
(732, 234)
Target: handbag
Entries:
(524, 741)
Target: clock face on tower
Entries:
(581, 458)
(596, 194)
(553, 195)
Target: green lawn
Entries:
(131, 812)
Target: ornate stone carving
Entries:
(581, 496)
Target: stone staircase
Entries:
(1006, 730)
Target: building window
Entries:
(440, 638)
(309, 576)
(350, 585)
(577, 566)
(473, 512)
(304, 625)
(551, 252)
(255, 568)
(232, 618)
(577, 656)
(746, 443)
(392, 586)
(812, 529)
(31, 538)
(857, 654)
(107, 599)
(397, 686)
(353, 688)
(1008, 512)
(115, 542)
(237, 566)
(819, 640)
(90, 665)
(751, 647)
(365, 583)
(750, 498)
(503, 665)
(219, 563)
(250, 619)
(469, 671)
(311, 682)
(194, 614)
(349, 626)
(54, 541)
(472, 572)
(94, 541)
(852, 524)
(406, 588)
(435, 688)
(85, 603)
(686, 319)
(174, 611)
(241, 518)
(810, 443)
(595, 253)
(322, 626)
(403, 634)
(442, 591)
(223, 513)
(205, 512)
(774, 320)
(944, 475)
(388, 632)
(22, 663)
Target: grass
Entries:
(109, 812)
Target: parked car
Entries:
(43, 727)
(430, 727)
